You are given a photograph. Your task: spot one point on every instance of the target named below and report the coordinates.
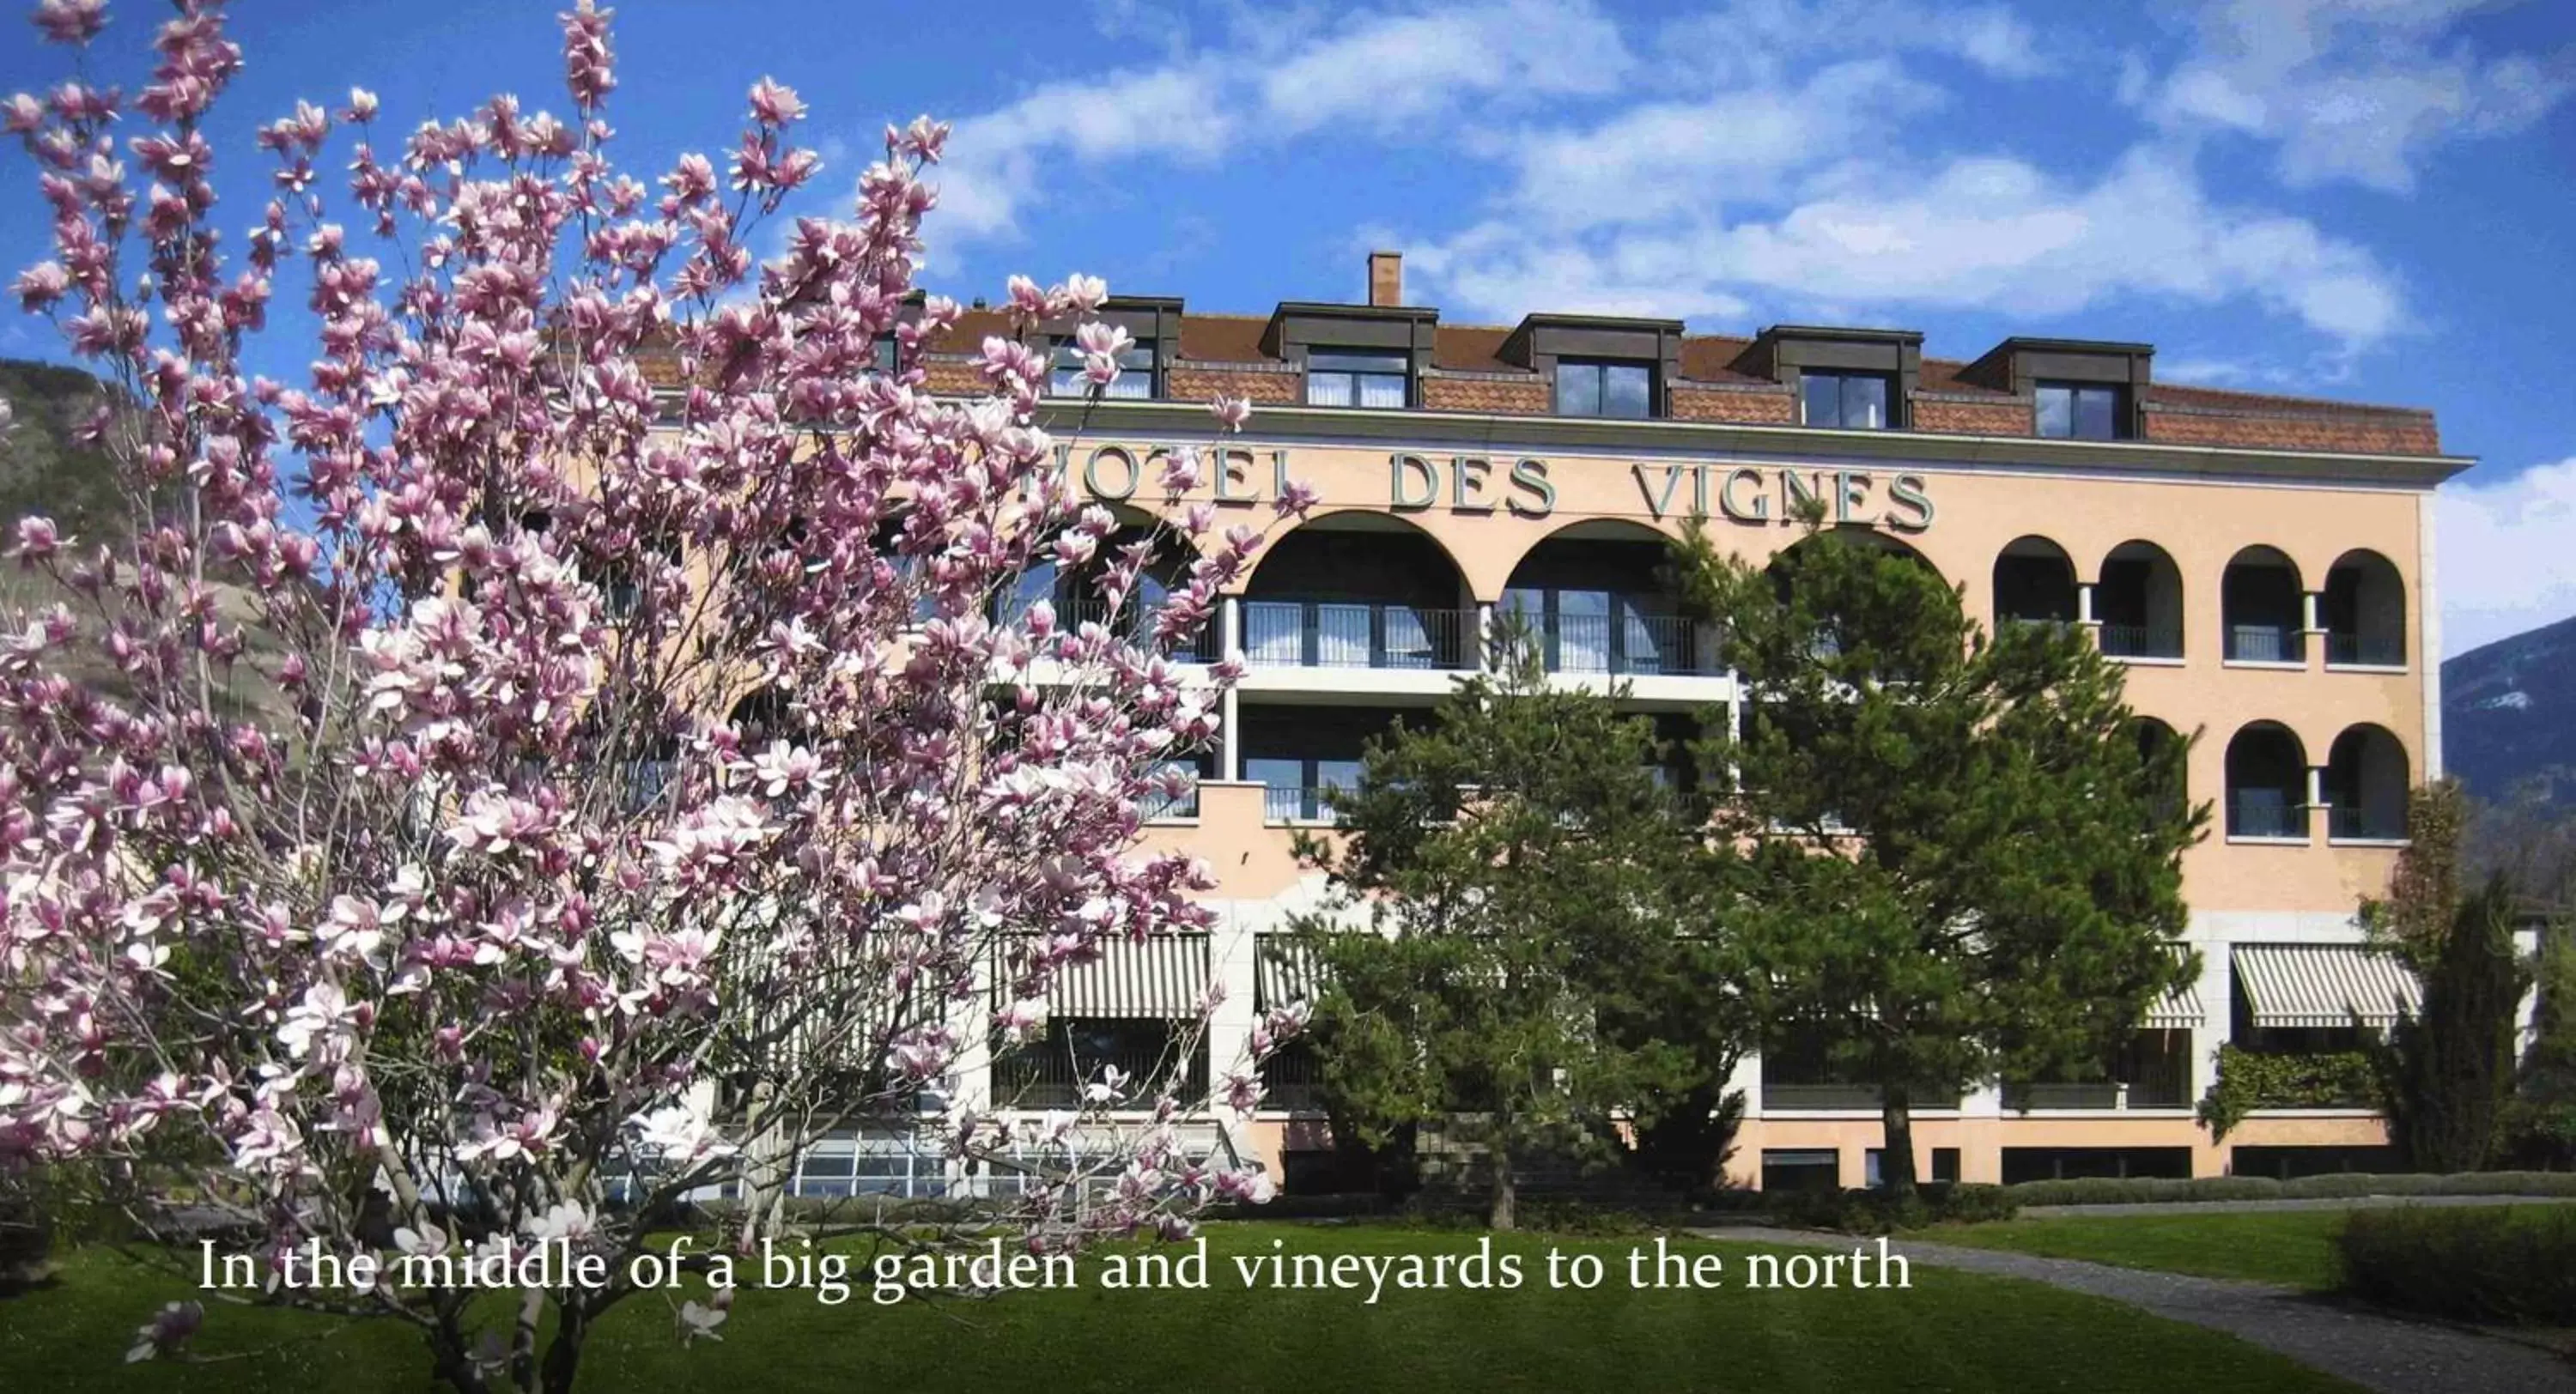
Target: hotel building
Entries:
(2261, 566)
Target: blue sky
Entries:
(2372, 199)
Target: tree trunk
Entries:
(1498, 1215)
(563, 1354)
(1896, 1153)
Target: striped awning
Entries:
(2179, 1009)
(1285, 970)
(1162, 977)
(2325, 985)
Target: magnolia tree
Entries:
(565, 754)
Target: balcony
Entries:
(2262, 607)
(2141, 641)
(1134, 624)
(2364, 651)
(1294, 633)
(2265, 813)
(1634, 643)
(1299, 803)
(2265, 643)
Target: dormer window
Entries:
(1598, 387)
(2079, 410)
(1844, 401)
(1356, 378)
(1135, 379)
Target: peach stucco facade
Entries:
(1486, 492)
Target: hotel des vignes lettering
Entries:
(2262, 566)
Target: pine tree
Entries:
(1963, 862)
(2446, 1074)
(1523, 874)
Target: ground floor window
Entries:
(869, 1163)
(1945, 1166)
(1801, 1169)
(2074, 1163)
(2286, 1163)
(1127, 1056)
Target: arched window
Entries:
(2267, 783)
(2365, 612)
(2158, 743)
(2366, 785)
(2139, 603)
(1358, 590)
(1594, 598)
(2034, 584)
(2264, 608)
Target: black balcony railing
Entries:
(2362, 823)
(1135, 623)
(1042, 1074)
(1356, 634)
(2142, 641)
(1293, 1078)
(2364, 650)
(2265, 643)
(1299, 803)
(2266, 813)
(1633, 643)
(1172, 808)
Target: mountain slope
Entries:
(2509, 714)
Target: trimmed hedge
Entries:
(1877, 1212)
(2105, 1190)
(2509, 1264)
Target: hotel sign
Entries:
(1520, 486)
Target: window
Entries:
(2075, 411)
(1592, 388)
(1300, 790)
(1136, 379)
(1850, 401)
(1339, 379)
(886, 354)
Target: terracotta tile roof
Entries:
(2175, 412)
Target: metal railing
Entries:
(1356, 634)
(2367, 650)
(1135, 623)
(2354, 822)
(2142, 641)
(2265, 643)
(2266, 813)
(1172, 808)
(1299, 803)
(1632, 643)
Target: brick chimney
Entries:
(1386, 278)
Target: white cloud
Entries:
(1391, 71)
(1750, 39)
(1388, 72)
(2360, 90)
(2501, 557)
(1985, 233)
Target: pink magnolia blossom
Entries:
(571, 694)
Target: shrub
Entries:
(2507, 1183)
(26, 1239)
(2512, 1264)
(2137, 1190)
(2337, 1185)
(1581, 1220)
(1879, 1212)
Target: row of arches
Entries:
(2264, 612)
(1373, 589)
(2271, 786)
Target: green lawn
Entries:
(1949, 1331)
(2294, 1248)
